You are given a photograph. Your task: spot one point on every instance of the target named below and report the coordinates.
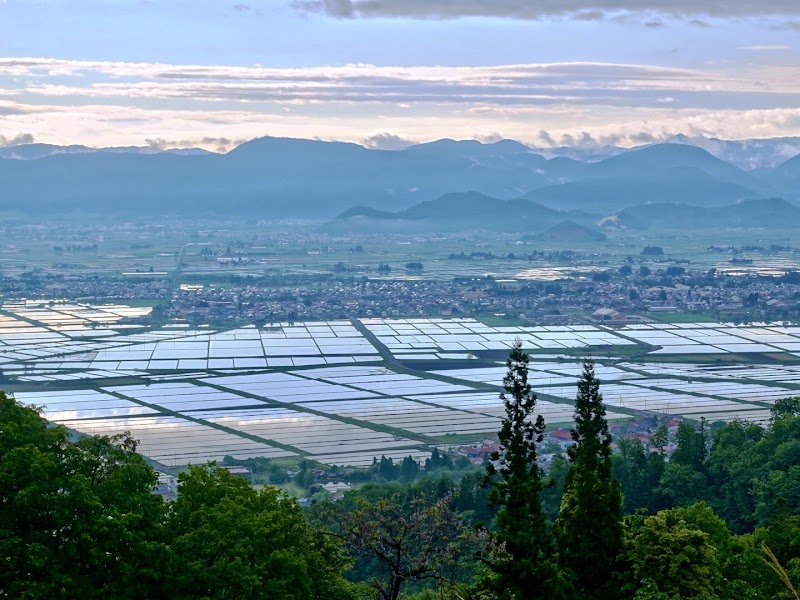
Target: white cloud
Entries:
(764, 48)
(386, 141)
(114, 103)
(547, 83)
(586, 10)
(16, 140)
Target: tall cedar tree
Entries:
(589, 526)
(525, 567)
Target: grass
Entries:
(464, 438)
(683, 317)
(776, 566)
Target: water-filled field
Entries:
(344, 392)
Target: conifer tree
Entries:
(525, 567)
(589, 528)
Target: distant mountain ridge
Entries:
(458, 211)
(285, 177)
(748, 154)
(36, 151)
(569, 231)
(771, 213)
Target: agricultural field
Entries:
(217, 249)
(344, 392)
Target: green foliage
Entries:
(733, 466)
(229, 541)
(76, 520)
(690, 553)
(786, 407)
(438, 461)
(672, 559)
(403, 535)
(692, 446)
(680, 485)
(472, 499)
(638, 472)
(660, 439)
(409, 469)
(522, 558)
(588, 528)
(304, 477)
(553, 492)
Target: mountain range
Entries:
(461, 211)
(283, 177)
(771, 213)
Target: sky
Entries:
(387, 73)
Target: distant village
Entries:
(615, 296)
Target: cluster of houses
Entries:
(557, 441)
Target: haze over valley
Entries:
(400, 300)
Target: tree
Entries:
(409, 469)
(782, 537)
(671, 559)
(76, 520)
(733, 466)
(786, 407)
(589, 528)
(231, 541)
(638, 473)
(387, 469)
(403, 534)
(682, 486)
(690, 553)
(660, 440)
(523, 563)
(692, 446)
(553, 492)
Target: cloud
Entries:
(386, 141)
(764, 48)
(212, 106)
(547, 139)
(489, 138)
(483, 88)
(644, 137)
(787, 26)
(218, 144)
(539, 9)
(21, 138)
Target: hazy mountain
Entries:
(586, 154)
(470, 210)
(569, 231)
(790, 168)
(37, 151)
(745, 154)
(645, 186)
(273, 177)
(661, 157)
(281, 177)
(773, 213)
